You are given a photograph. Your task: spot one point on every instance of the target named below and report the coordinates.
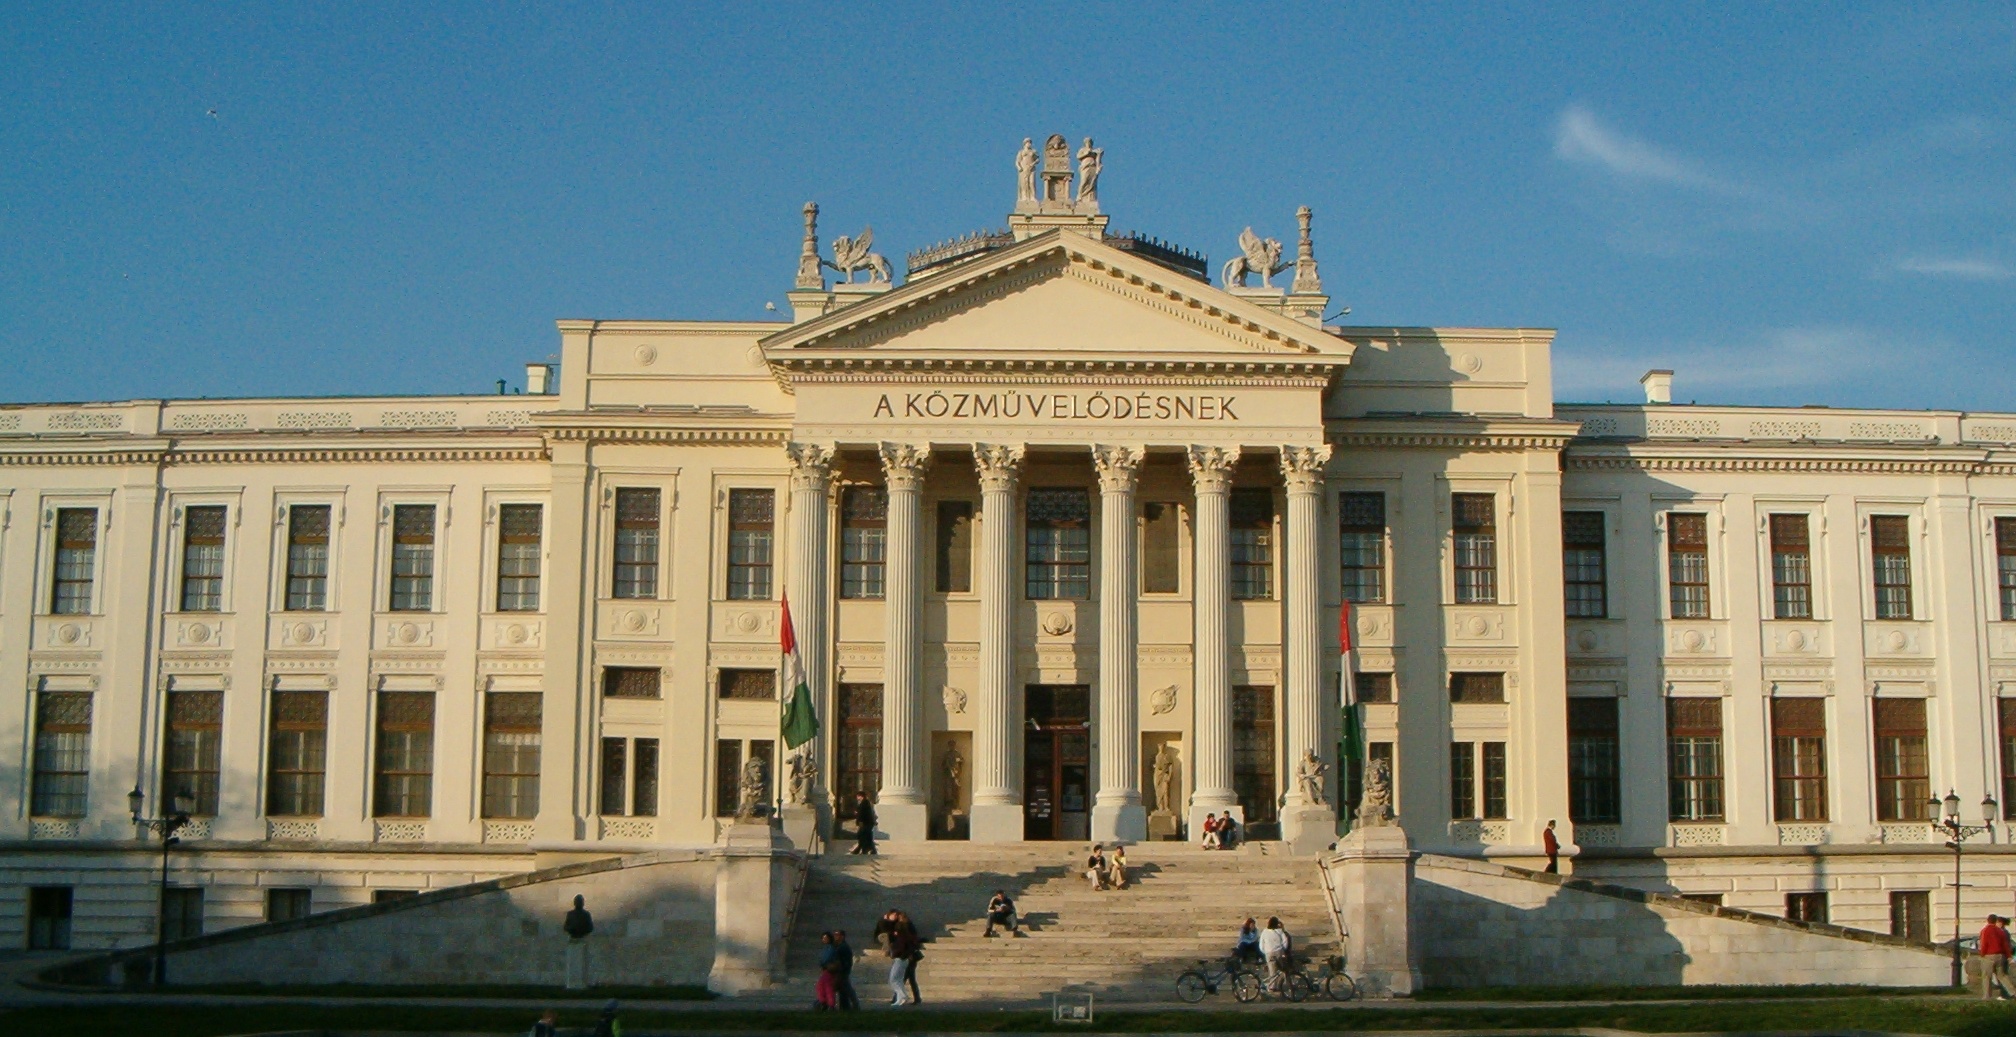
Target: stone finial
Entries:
(1307, 281)
(811, 275)
(1057, 171)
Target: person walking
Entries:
(843, 979)
(1994, 949)
(825, 990)
(1275, 946)
(913, 952)
(1552, 844)
(1116, 868)
(1001, 912)
(1095, 867)
(1211, 840)
(897, 948)
(864, 824)
(1247, 950)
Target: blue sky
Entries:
(1786, 203)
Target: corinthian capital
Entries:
(1302, 467)
(999, 465)
(1211, 467)
(1118, 466)
(811, 465)
(903, 464)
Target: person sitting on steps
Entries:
(1228, 831)
(1116, 868)
(1001, 912)
(1247, 950)
(1095, 867)
(1211, 840)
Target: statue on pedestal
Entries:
(1025, 175)
(1309, 773)
(852, 254)
(753, 795)
(800, 769)
(1057, 171)
(1090, 159)
(1165, 779)
(1258, 255)
(1376, 811)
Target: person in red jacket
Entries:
(1552, 845)
(1994, 951)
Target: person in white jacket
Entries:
(1275, 946)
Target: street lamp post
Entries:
(166, 827)
(1946, 822)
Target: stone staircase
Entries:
(1127, 945)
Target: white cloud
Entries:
(1581, 138)
(1964, 269)
(1757, 370)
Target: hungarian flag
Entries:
(801, 721)
(1351, 726)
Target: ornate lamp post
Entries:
(1946, 822)
(166, 827)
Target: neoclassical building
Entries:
(1066, 530)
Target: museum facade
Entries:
(1067, 532)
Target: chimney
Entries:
(1658, 386)
(536, 376)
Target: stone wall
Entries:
(1478, 924)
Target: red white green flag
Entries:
(801, 722)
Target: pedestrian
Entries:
(913, 952)
(1552, 844)
(864, 824)
(1095, 867)
(547, 1026)
(843, 981)
(1247, 950)
(1001, 912)
(825, 990)
(897, 948)
(1994, 950)
(608, 1026)
(1116, 868)
(1211, 840)
(1275, 946)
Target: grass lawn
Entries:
(1950, 1016)
(529, 993)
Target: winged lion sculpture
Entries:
(1260, 256)
(852, 254)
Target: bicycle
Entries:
(1194, 983)
(1294, 984)
(1332, 981)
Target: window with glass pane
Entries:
(2005, 564)
(1494, 781)
(193, 759)
(412, 558)
(1583, 564)
(1361, 546)
(511, 735)
(1911, 915)
(748, 684)
(1462, 780)
(858, 756)
(630, 777)
(181, 912)
(954, 542)
(307, 557)
(631, 682)
(1252, 563)
(1903, 765)
(1791, 568)
(752, 522)
(1372, 687)
(1806, 907)
(1799, 759)
(1476, 687)
(727, 775)
(1161, 548)
(1687, 564)
(636, 562)
(1593, 787)
(1476, 539)
(76, 561)
(405, 785)
(297, 753)
(62, 754)
(2008, 718)
(1694, 759)
(49, 916)
(286, 905)
(864, 541)
(615, 777)
(518, 549)
(644, 777)
(1890, 548)
(203, 559)
(1059, 543)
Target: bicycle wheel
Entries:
(1245, 987)
(1340, 987)
(1297, 987)
(1192, 986)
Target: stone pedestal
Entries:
(1119, 822)
(1308, 830)
(799, 824)
(1373, 872)
(902, 822)
(1162, 825)
(577, 964)
(996, 823)
(747, 911)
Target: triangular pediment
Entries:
(1062, 296)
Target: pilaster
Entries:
(563, 792)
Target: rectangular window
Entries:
(286, 905)
(1594, 790)
(644, 777)
(1890, 550)
(615, 776)
(1494, 780)
(728, 758)
(1372, 687)
(1161, 548)
(1911, 915)
(390, 896)
(1806, 907)
(49, 918)
(1059, 543)
(752, 525)
(1476, 532)
(864, 541)
(1791, 568)
(1694, 759)
(636, 561)
(631, 682)
(1252, 561)
(748, 684)
(1687, 564)
(297, 753)
(203, 558)
(405, 785)
(1476, 687)
(192, 762)
(62, 754)
(412, 558)
(1462, 780)
(630, 777)
(181, 912)
(1253, 758)
(1361, 546)
(858, 756)
(2005, 564)
(955, 546)
(1799, 758)
(511, 742)
(2008, 710)
(76, 561)
(1583, 565)
(518, 549)
(1903, 764)
(307, 557)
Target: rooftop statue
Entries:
(1025, 174)
(1261, 256)
(851, 254)
(1090, 160)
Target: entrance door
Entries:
(1057, 763)
(1253, 758)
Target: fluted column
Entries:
(901, 806)
(1308, 822)
(1211, 471)
(805, 582)
(997, 771)
(1117, 812)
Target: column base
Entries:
(1119, 822)
(903, 822)
(996, 823)
(1308, 829)
(1198, 810)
